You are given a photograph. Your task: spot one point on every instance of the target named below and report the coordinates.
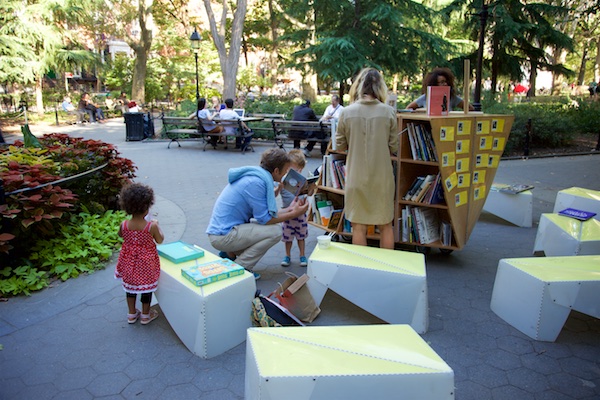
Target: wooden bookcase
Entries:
(468, 149)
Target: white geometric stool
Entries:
(514, 208)
(392, 285)
(209, 319)
(558, 235)
(536, 294)
(344, 362)
(579, 199)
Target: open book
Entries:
(516, 188)
(297, 184)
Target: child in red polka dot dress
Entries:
(138, 266)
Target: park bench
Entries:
(177, 128)
(284, 130)
(267, 127)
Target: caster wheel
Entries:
(446, 251)
(423, 249)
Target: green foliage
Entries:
(118, 73)
(83, 244)
(33, 216)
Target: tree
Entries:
(228, 58)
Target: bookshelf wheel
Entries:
(446, 252)
(423, 249)
(342, 239)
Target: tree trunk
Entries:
(309, 78)
(228, 59)
(275, 45)
(597, 64)
(142, 49)
(581, 75)
(532, 78)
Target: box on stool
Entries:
(389, 284)
(208, 319)
(344, 362)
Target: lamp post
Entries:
(195, 44)
(483, 15)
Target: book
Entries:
(179, 251)
(214, 271)
(438, 100)
(334, 221)
(514, 189)
(428, 225)
(577, 214)
(423, 188)
(297, 184)
(413, 188)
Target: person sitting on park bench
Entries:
(206, 119)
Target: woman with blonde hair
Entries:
(367, 128)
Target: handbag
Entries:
(294, 295)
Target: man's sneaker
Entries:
(223, 254)
(256, 274)
(286, 261)
(303, 261)
(306, 152)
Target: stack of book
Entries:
(426, 189)
(179, 251)
(422, 145)
(420, 225)
(333, 171)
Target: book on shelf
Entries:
(325, 208)
(438, 100)
(515, 189)
(446, 233)
(411, 140)
(214, 271)
(334, 221)
(413, 187)
(433, 190)
(422, 145)
(179, 251)
(427, 223)
(418, 196)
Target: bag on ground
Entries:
(267, 313)
(294, 295)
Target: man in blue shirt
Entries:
(245, 221)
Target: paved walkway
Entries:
(72, 341)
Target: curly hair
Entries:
(136, 198)
(274, 158)
(431, 79)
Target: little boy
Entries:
(297, 227)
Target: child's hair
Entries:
(297, 158)
(136, 198)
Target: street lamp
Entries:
(483, 15)
(195, 44)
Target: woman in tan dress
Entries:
(368, 130)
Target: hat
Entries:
(131, 104)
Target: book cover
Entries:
(294, 182)
(438, 100)
(179, 251)
(214, 271)
(334, 221)
(577, 214)
(514, 189)
(414, 187)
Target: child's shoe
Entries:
(303, 261)
(286, 261)
(147, 318)
(132, 318)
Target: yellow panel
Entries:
(481, 160)
(463, 127)
(479, 192)
(483, 127)
(462, 164)
(497, 124)
(405, 262)
(479, 176)
(556, 269)
(448, 159)
(581, 192)
(498, 144)
(342, 350)
(451, 182)
(464, 180)
(463, 146)
(447, 133)
(460, 198)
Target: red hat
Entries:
(131, 104)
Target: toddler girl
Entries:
(138, 266)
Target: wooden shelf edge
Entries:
(435, 245)
(420, 162)
(415, 204)
(332, 190)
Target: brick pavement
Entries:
(72, 340)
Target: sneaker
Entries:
(303, 261)
(306, 152)
(256, 274)
(223, 254)
(286, 261)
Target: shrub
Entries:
(31, 216)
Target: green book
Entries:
(214, 271)
(179, 252)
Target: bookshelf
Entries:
(460, 152)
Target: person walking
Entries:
(138, 266)
(368, 130)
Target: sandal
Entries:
(147, 318)
(132, 318)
